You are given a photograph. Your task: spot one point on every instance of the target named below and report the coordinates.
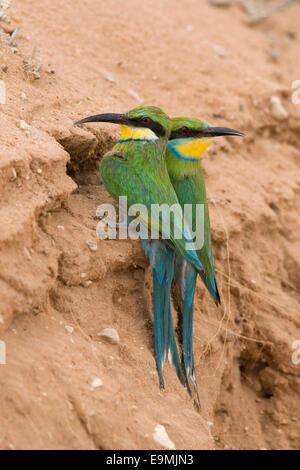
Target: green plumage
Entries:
(141, 168)
(191, 190)
(188, 140)
(188, 181)
(138, 170)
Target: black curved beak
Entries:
(107, 117)
(217, 131)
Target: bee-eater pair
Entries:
(157, 160)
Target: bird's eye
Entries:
(184, 131)
(146, 120)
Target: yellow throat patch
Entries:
(137, 133)
(193, 149)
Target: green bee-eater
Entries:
(136, 168)
(188, 141)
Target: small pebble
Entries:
(39, 171)
(92, 245)
(227, 337)
(277, 109)
(294, 419)
(87, 283)
(135, 95)
(23, 125)
(161, 437)
(110, 335)
(23, 96)
(291, 35)
(108, 76)
(219, 51)
(69, 329)
(27, 253)
(60, 227)
(274, 55)
(96, 383)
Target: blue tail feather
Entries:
(186, 277)
(162, 263)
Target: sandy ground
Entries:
(190, 58)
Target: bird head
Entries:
(142, 124)
(188, 140)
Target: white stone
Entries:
(108, 76)
(161, 437)
(219, 51)
(110, 335)
(277, 109)
(27, 252)
(69, 329)
(135, 95)
(96, 383)
(92, 245)
(23, 125)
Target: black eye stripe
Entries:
(154, 126)
(178, 135)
